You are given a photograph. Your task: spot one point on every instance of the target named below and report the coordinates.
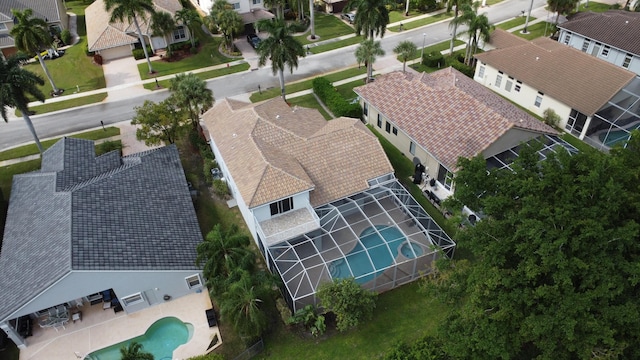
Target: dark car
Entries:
(254, 40)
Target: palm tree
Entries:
(561, 7)
(455, 6)
(280, 47)
(15, 84)
(372, 17)
(221, 254)
(31, 35)
(162, 24)
(278, 5)
(134, 352)
(130, 10)
(406, 50)
(479, 29)
(230, 23)
(366, 53)
(189, 18)
(192, 93)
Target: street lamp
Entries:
(424, 36)
(526, 23)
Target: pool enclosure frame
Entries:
(305, 261)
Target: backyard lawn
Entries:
(309, 101)
(327, 26)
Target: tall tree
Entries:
(31, 35)
(557, 254)
(372, 17)
(190, 19)
(455, 6)
(278, 5)
(405, 50)
(134, 352)
(367, 53)
(230, 23)
(561, 7)
(159, 123)
(280, 47)
(15, 84)
(163, 24)
(348, 301)
(479, 30)
(130, 10)
(191, 92)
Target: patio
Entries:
(99, 328)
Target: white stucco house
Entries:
(611, 36)
(597, 101)
(251, 11)
(107, 232)
(320, 199)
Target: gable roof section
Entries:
(617, 28)
(502, 39)
(447, 113)
(111, 214)
(43, 9)
(586, 85)
(274, 151)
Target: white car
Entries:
(350, 17)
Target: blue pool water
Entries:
(374, 248)
(162, 337)
(411, 250)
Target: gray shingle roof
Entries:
(81, 212)
(44, 9)
(617, 28)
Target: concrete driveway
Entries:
(122, 74)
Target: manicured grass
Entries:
(403, 314)
(346, 90)
(326, 27)
(492, 2)
(520, 20)
(306, 84)
(421, 22)
(165, 84)
(441, 46)
(398, 15)
(66, 104)
(577, 143)
(536, 31)
(336, 44)
(595, 7)
(32, 149)
(309, 101)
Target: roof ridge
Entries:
(99, 177)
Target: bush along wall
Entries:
(338, 105)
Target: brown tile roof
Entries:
(102, 34)
(274, 151)
(447, 113)
(562, 72)
(502, 39)
(617, 28)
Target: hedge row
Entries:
(334, 101)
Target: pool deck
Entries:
(101, 328)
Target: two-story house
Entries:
(251, 11)
(611, 36)
(595, 100)
(320, 199)
(52, 11)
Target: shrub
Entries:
(550, 117)
(65, 36)
(283, 310)
(220, 188)
(433, 59)
(193, 50)
(108, 146)
(348, 301)
(338, 105)
(309, 319)
(139, 53)
(97, 58)
(465, 69)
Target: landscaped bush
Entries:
(433, 59)
(465, 69)
(97, 58)
(338, 105)
(139, 53)
(65, 36)
(220, 188)
(300, 26)
(108, 146)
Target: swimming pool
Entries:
(374, 248)
(160, 339)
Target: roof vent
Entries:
(277, 116)
(626, 21)
(234, 135)
(537, 58)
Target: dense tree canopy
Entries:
(348, 301)
(159, 123)
(556, 271)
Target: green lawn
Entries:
(520, 20)
(336, 44)
(398, 15)
(595, 7)
(327, 26)
(421, 22)
(66, 104)
(441, 46)
(165, 84)
(309, 101)
(346, 90)
(536, 31)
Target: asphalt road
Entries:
(59, 123)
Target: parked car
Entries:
(350, 17)
(254, 40)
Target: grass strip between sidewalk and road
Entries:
(441, 46)
(165, 84)
(335, 44)
(421, 22)
(520, 20)
(326, 27)
(66, 104)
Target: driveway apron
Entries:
(119, 75)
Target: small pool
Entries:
(375, 247)
(160, 339)
(411, 250)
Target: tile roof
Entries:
(44, 9)
(274, 151)
(542, 64)
(85, 213)
(502, 39)
(447, 113)
(617, 28)
(102, 34)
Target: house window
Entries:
(538, 101)
(445, 177)
(567, 38)
(193, 281)
(132, 299)
(179, 33)
(498, 80)
(508, 85)
(412, 148)
(365, 109)
(256, 2)
(605, 50)
(236, 6)
(576, 122)
(627, 61)
(518, 86)
(379, 121)
(3, 26)
(387, 127)
(585, 45)
(281, 206)
(395, 130)
(481, 71)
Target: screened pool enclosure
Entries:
(382, 237)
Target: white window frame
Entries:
(132, 299)
(236, 6)
(538, 101)
(412, 148)
(567, 38)
(191, 283)
(481, 71)
(627, 61)
(365, 109)
(498, 80)
(179, 33)
(3, 26)
(379, 121)
(281, 206)
(257, 2)
(585, 45)
(508, 85)
(518, 86)
(605, 51)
